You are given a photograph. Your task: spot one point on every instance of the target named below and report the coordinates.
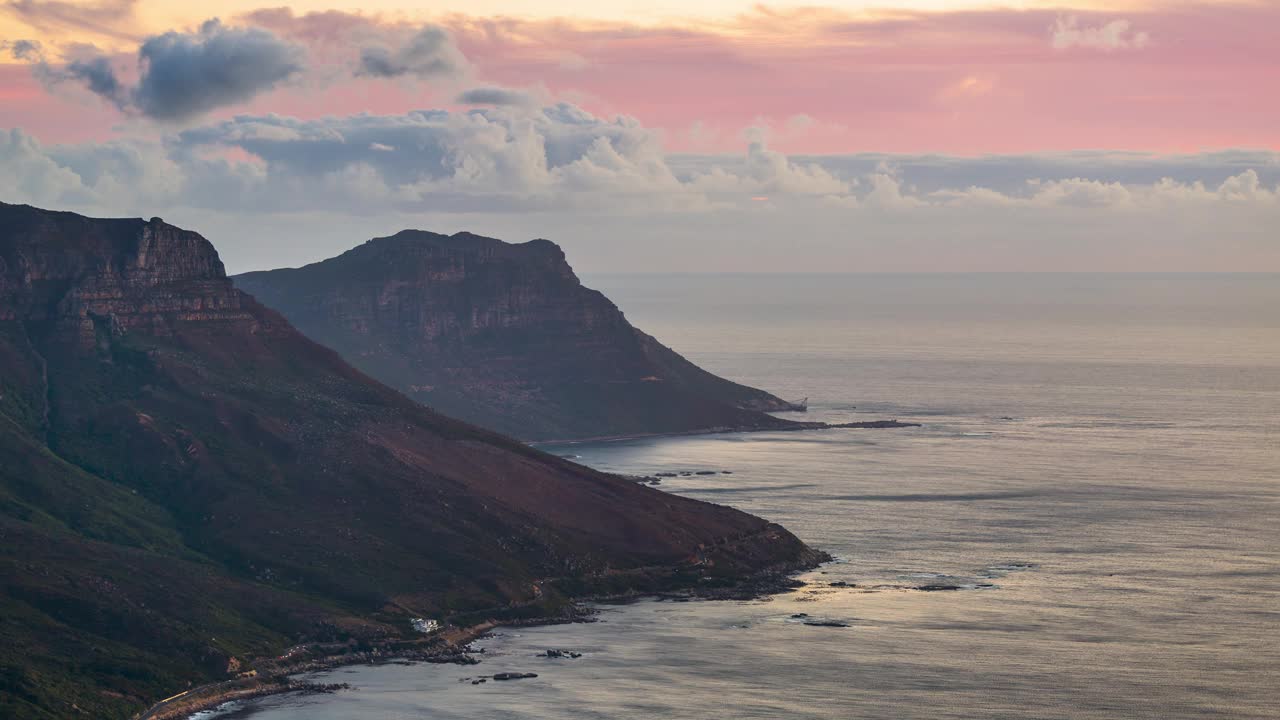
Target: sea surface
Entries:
(1098, 472)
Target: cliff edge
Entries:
(504, 336)
(187, 483)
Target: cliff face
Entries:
(185, 478)
(77, 273)
(504, 336)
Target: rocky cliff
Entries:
(186, 481)
(504, 336)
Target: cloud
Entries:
(1067, 32)
(182, 75)
(93, 71)
(495, 96)
(31, 173)
(491, 160)
(1084, 194)
(368, 45)
(1009, 173)
(989, 75)
(99, 77)
(125, 175)
(109, 18)
(768, 174)
(428, 53)
(887, 193)
(609, 190)
(560, 158)
(27, 50)
(497, 159)
(188, 74)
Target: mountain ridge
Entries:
(504, 335)
(189, 483)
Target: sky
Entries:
(846, 136)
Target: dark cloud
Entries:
(495, 96)
(28, 50)
(430, 52)
(93, 70)
(181, 75)
(100, 78)
(185, 75)
(111, 18)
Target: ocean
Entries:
(1097, 476)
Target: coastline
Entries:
(448, 646)
(794, 426)
(276, 676)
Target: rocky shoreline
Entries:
(274, 676)
(277, 676)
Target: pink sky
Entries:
(1182, 77)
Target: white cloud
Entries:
(1067, 32)
(560, 157)
(886, 193)
(561, 172)
(1084, 194)
(30, 174)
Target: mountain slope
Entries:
(504, 336)
(187, 479)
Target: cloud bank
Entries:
(561, 158)
(320, 184)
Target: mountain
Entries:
(187, 482)
(504, 336)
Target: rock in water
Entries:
(514, 676)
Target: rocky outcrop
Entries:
(83, 274)
(185, 478)
(504, 336)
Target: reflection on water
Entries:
(1097, 478)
